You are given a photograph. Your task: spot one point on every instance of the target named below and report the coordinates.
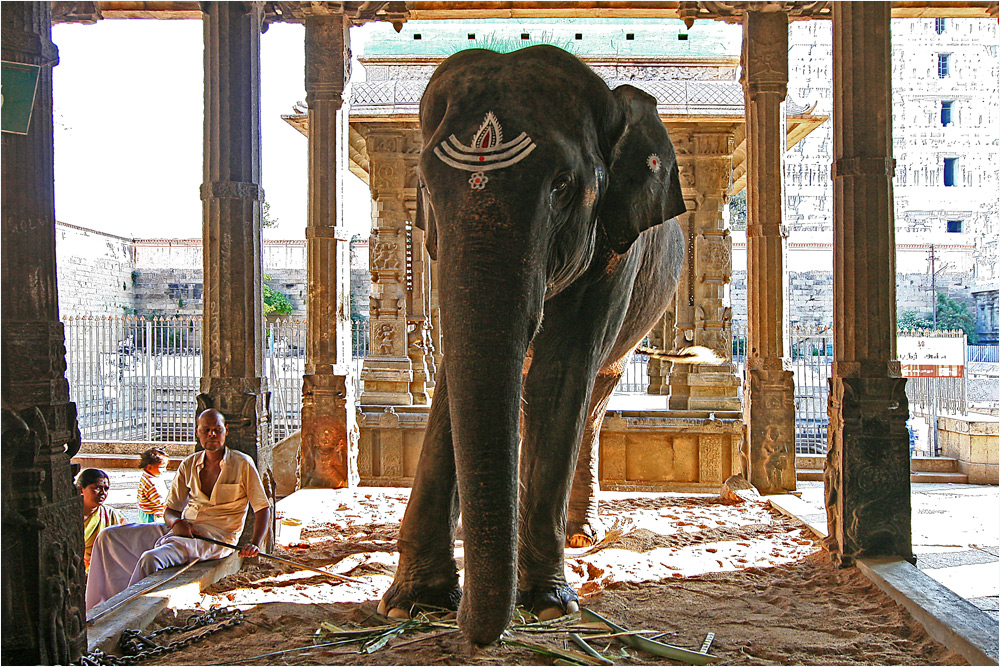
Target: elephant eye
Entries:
(562, 185)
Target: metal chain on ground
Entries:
(137, 647)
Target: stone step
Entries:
(916, 477)
(814, 462)
(938, 478)
(118, 461)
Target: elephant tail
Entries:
(696, 354)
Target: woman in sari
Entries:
(94, 485)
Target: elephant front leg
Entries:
(584, 527)
(427, 574)
(554, 415)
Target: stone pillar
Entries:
(770, 407)
(705, 162)
(661, 337)
(867, 471)
(232, 351)
(419, 347)
(329, 422)
(388, 370)
(43, 575)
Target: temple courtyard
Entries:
(674, 566)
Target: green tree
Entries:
(952, 314)
(738, 210)
(910, 319)
(274, 301)
(266, 219)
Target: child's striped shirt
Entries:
(152, 494)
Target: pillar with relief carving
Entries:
(43, 573)
(388, 370)
(701, 317)
(329, 445)
(418, 323)
(770, 395)
(867, 475)
(232, 352)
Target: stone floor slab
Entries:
(948, 618)
(969, 581)
(955, 558)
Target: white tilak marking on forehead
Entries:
(487, 152)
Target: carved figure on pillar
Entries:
(389, 373)
(701, 316)
(329, 449)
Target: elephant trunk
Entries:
(489, 312)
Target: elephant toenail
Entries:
(572, 607)
(399, 614)
(550, 613)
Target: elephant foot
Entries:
(585, 533)
(404, 600)
(549, 602)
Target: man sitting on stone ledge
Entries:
(209, 497)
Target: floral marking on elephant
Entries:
(653, 162)
(487, 151)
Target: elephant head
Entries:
(534, 175)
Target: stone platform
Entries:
(640, 450)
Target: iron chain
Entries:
(136, 647)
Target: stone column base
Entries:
(329, 450)
(387, 381)
(771, 416)
(713, 388)
(867, 475)
(654, 450)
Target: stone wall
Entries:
(95, 272)
(103, 274)
(810, 298)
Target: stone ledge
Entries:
(117, 461)
(956, 623)
(140, 612)
(797, 508)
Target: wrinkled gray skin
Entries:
(549, 275)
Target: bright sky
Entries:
(128, 99)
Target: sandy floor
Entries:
(677, 565)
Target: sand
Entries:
(679, 565)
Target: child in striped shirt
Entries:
(152, 489)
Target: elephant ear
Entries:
(426, 221)
(643, 186)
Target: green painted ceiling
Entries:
(624, 38)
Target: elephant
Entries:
(557, 251)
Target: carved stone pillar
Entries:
(329, 421)
(418, 346)
(232, 378)
(770, 397)
(43, 575)
(661, 337)
(867, 471)
(388, 370)
(705, 161)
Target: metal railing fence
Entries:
(927, 396)
(137, 380)
(285, 364)
(989, 354)
(811, 352)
